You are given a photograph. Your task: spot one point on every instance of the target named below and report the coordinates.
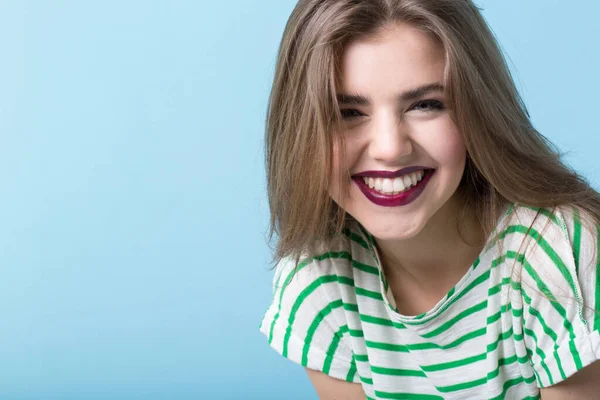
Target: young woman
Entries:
(430, 242)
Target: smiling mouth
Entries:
(393, 190)
(394, 186)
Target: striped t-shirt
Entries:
(517, 321)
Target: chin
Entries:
(391, 230)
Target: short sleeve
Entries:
(560, 296)
(306, 321)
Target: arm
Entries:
(584, 385)
(329, 388)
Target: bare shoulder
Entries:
(329, 388)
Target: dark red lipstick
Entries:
(400, 199)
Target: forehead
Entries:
(396, 58)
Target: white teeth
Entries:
(396, 185)
(388, 185)
(378, 184)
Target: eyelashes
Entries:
(426, 105)
(349, 113)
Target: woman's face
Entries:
(397, 131)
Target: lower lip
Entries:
(401, 199)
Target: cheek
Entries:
(447, 148)
(344, 159)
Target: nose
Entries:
(389, 139)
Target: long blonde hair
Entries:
(508, 160)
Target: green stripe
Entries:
(517, 312)
(497, 288)
(501, 337)
(376, 320)
(288, 279)
(365, 268)
(504, 308)
(299, 300)
(540, 353)
(351, 373)
(314, 326)
(276, 289)
(512, 382)
(448, 324)
(407, 396)
(356, 333)
(549, 251)
(451, 292)
(372, 319)
(597, 306)
(344, 280)
(305, 293)
(559, 222)
(537, 376)
(507, 361)
(576, 237)
(381, 321)
(456, 343)
(547, 330)
(386, 285)
(493, 318)
(545, 212)
(510, 208)
(462, 386)
(555, 304)
(387, 346)
(333, 347)
(476, 282)
(350, 307)
(277, 281)
(453, 364)
(501, 362)
(356, 238)
(369, 293)
(370, 238)
(477, 262)
(425, 346)
(398, 372)
(361, 357)
(368, 381)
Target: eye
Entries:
(350, 113)
(427, 105)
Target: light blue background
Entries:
(132, 208)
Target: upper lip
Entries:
(391, 174)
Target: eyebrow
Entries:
(412, 94)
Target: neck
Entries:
(435, 259)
